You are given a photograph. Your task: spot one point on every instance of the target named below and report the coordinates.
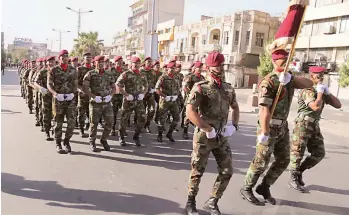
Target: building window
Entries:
(236, 37)
(248, 35)
(193, 39)
(306, 29)
(259, 39)
(321, 3)
(204, 39)
(320, 52)
(341, 54)
(215, 37)
(226, 37)
(324, 26)
(344, 24)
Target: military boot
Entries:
(93, 147)
(66, 145)
(30, 110)
(247, 194)
(136, 139)
(101, 122)
(264, 190)
(185, 133)
(59, 149)
(300, 177)
(48, 137)
(159, 138)
(122, 138)
(169, 134)
(294, 182)
(105, 145)
(82, 133)
(42, 127)
(37, 124)
(190, 207)
(211, 206)
(147, 127)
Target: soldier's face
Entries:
(156, 67)
(170, 70)
(136, 65)
(178, 70)
(197, 70)
(216, 71)
(99, 64)
(119, 62)
(51, 63)
(64, 58)
(279, 64)
(87, 58)
(33, 64)
(75, 63)
(148, 63)
(317, 77)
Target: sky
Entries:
(35, 19)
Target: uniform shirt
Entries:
(169, 86)
(31, 76)
(63, 82)
(133, 83)
(151, 78)
(305, 97)
(179, 77)
(268, 88)
(100, 84)
(41, 78)
(189, 81)
(82, 70)
(213, 103)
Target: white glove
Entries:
(211, 134)
(107, 98)
(327, 91)
(80, 91)
(228, 130)
(70, 97)
(152, 90)
(60, 97)
(174, 98)
(285, 78)
(262, 138)
(320, 88)
(98, 99)
(129, 98)
(43, 90)
(140, 97)
(168, 98)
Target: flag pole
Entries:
(289, 59)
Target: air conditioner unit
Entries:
(330, 29)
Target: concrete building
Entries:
(240, 37)
(165, 32)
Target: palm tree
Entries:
(87, 42)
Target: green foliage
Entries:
(20, 54)
(142, 57)
(3, 55)
(87, 42)
(266, 64)
(344, 74)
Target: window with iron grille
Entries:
(248, 36)
(236, 37)
(226, 37)
(259, 39)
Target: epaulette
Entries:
(201, 82)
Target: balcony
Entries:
(192, 50)
(323, 41)
(212, 47)
(328, 11)
(178, 51)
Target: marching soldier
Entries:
(38, 99)
(83, 100)
(306, 132)
(62, 82)
(99, 86)
(188, 83)
(117, 98)
(74, 62)
(27, 76)
(133, 85)
(22, 75)
(31, 78)
(158, 73)
(149, 100)
(207, 108)
(167, 87)
(41, 84)
(272, 133)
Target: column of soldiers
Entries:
(104, 89)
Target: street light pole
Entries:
(60, 37)
(79, 12)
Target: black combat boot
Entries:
(160, 137)
(122, 138)
(37, 124)
(211, 206)
(136, 139)
(82, 133)
(190, 207)
(101, 122)
(169, 134)
(105, 145)
(147, 127)
(66, 145)
(185, 133)
(59, 149)
(30, 110)
(48, 137)
(264, 190)
(93, 147)
(247, 194)
(294, 182)
(42, 127)
(300, 177)
(87, 126)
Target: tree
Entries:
(265, 62)
(87, 42)
(20, 54)
(344, 74)
(3, 55)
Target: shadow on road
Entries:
(12, 96)
(59, 196)
(8, 111)
(328, 190)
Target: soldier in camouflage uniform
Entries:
(158, 73)
(20, 69)
(149, 100)
(99, 85)
(38, 95)
(62, 82)
(167, 87)
(83, 100)
(74, 62)
(272, 131)
(133, 85)
(23, 86)
(41, 84)
(117, 98)
(30, 94)
(306, 132)
(188, 83)
(208, 107)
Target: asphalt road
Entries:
(148, 180)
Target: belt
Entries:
(307, 118)
(277, 122)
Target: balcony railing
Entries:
(192, 49)
(212, 47)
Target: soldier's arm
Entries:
(333, 101)
(86, 85)
(37, 81)
(76, 80)
(50, 81)
(236, 110)
(120, 84)
(80, 78)
(112, 85)
(158, 87)
(265, 100)
(309, 98)
(193, 103)
(301, 83)
(186, 84)
(146, 85)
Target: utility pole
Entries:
(60, 37)
(79, 12)
(153, 35)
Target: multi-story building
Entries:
(119, 44)
(240, 37)
(165, 32)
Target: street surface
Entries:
(152, 179)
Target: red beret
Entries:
(106, 59)
(171, 64)
(86, 53)
(51, 58)
(117, 58)
(164, 66)
(74, 59)
(69, 61)
(63, 52)
(99, 58)
(135, 59)
(38, 60)
(156, 63)
(178, 65)
(316, 69)
(147, 58)
(279, 54)
(198, 64)
(33, 61)
(214, 59)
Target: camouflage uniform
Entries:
(36, 95)
(157, 97)
(134, 85)
(170, 87)
(149, 100)
(117, 98)
(24, 85)
(30, 96)
(278, 143)
(100, 84)
(83, 99)
(306, 133)
(213, 105)
(180, 77)
(63, 82)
